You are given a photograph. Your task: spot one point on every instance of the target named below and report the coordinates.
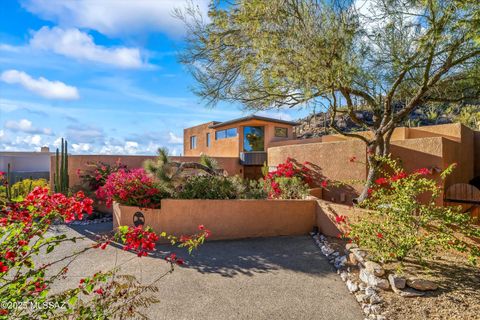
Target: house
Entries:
(247, 139)
(25, 164)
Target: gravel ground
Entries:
(458, 296)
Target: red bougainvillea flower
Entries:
(399, 176)
(324, 183)
(10, 255)
(82, 281)
(172, 258)
(369, 191)
(3, 268)
(39, 287)
(381, 181)
(2, 173)
(201, 227)
(22, 243)
(3, 312)
(340, 219)
(140, 240)
(99, 291)
(379, 235)
(423, 171)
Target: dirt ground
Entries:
(458, 295)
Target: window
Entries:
(193, 142)
(281, 132)
(253, 139)
(228, 133)
(208, 139)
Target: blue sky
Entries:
(103, 74)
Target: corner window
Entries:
(193, 142)
(208, 139)
(281, 132)
(228, 133)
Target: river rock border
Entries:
(367, 279)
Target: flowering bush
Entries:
(98, 172)
(400, 226)
(288, 181)
(133, 188)
(25, 284)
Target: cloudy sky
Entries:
(103, 74)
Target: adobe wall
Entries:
(227, 219)
(331, 161)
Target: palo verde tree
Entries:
(390, 57)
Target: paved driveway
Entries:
(268, 278)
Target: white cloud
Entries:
(41, 86)
(81, 147)
(174, 138)
(76, 44)
(25, 125)
(30, 140)
(114, 17)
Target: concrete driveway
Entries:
(267, 278)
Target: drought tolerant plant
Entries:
(97, 173)
(60, 176)
(171, 174)
(399, 225)
(25, 284)
(288, 181)
(131, 187)
(208, 187)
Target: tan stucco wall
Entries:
(229, 147)
(431, 147)
(227, 219)
(325, 213)
(331, 161)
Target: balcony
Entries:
(253, 158)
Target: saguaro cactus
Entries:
(60, 177)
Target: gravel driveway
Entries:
(266, 278)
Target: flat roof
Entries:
(252, 117)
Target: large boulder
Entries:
(374, 268)
(372, 280)
(422, 284)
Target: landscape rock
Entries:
(374, 268)
(340, 261)
(352, 286)
(422, 284)
(361, 298)
(372, 280)
(359, 255)
(327, 250)
(375, 309)
(370, 291)
(343, 276)
(375, 299)
(396, 281)
(352, 259)
(350, 246)
(410, 293)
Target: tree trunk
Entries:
(379, 147)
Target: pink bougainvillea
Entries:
(133, 187)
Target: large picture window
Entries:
(253, 139)
(228, 133)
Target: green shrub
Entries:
(208, 187)
(289, 187)
(400, 226)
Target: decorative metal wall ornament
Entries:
(138, 219)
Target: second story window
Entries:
(228, 133)
(281, 132)
(193, 142)
(208, 139)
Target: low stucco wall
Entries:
(325, 213)
(227, 219)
